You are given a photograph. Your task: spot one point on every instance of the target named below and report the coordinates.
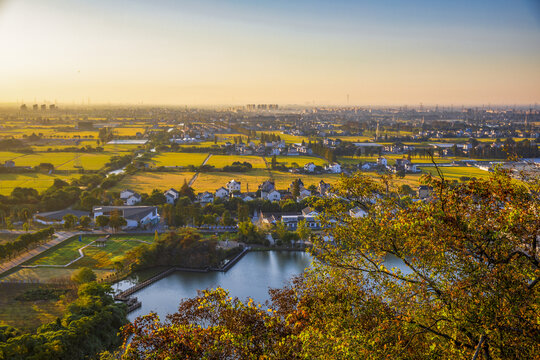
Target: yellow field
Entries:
(300, 160)
(146, 182)
(214, 180)
(60, 160)
(455, 172)
(39, 182)
(391, 158)
(220, 161)
(179, 159)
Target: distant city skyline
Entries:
(301, 52)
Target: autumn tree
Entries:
(464, 284)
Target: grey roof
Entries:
(128, 212)
(59, 214)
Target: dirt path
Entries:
(194, 178)
(268, 168)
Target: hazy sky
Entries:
(270, 51)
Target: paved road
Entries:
(60, 237)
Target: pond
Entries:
(252, 276)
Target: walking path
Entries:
(197, 173)
(61, 236)
(81, 255)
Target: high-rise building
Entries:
(23, 107)
(43, 107)
(35, 107)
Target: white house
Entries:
(304, 193)
(136, 216)
(248, 197)
(382, 161)
(125, 194)
(309, 167)
(357, 212)
(133, 200)
(171, 196)
(274, 195)
(366, 166)
(222, 193)
(334, 168)
(205, 198)
(233, 186)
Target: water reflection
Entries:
(251, 277)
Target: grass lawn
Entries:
(300, 160)
(26, 315)
(147, 181)
(94, 257)
(220, 161)
(179, 159)
(47, 275)
(38, 181)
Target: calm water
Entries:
(251, 277)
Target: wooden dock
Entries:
(125, 296)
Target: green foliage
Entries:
(84, 275)
(184, 249)
(89, 327)
(24, 241)
(468, 284)
(249, 233)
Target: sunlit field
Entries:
(220, 161)
(178, 159)
(147, 181)
(38, 181)
(300, 160)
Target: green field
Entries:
(147, 181)
(179, 159)
(102, 257)
(38, 181)
(220, 161)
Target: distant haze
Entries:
(282, 51)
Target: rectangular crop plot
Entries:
(147, 181)
(299, 160)
(220, 161)
(40, 182)
(179, 159)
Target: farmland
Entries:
(60, 160)
(220, 161)
(300, 160)
(456, 172)
(392, 159)
(147, 181)
(213, 180)
(179, 159)
(37, 181)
